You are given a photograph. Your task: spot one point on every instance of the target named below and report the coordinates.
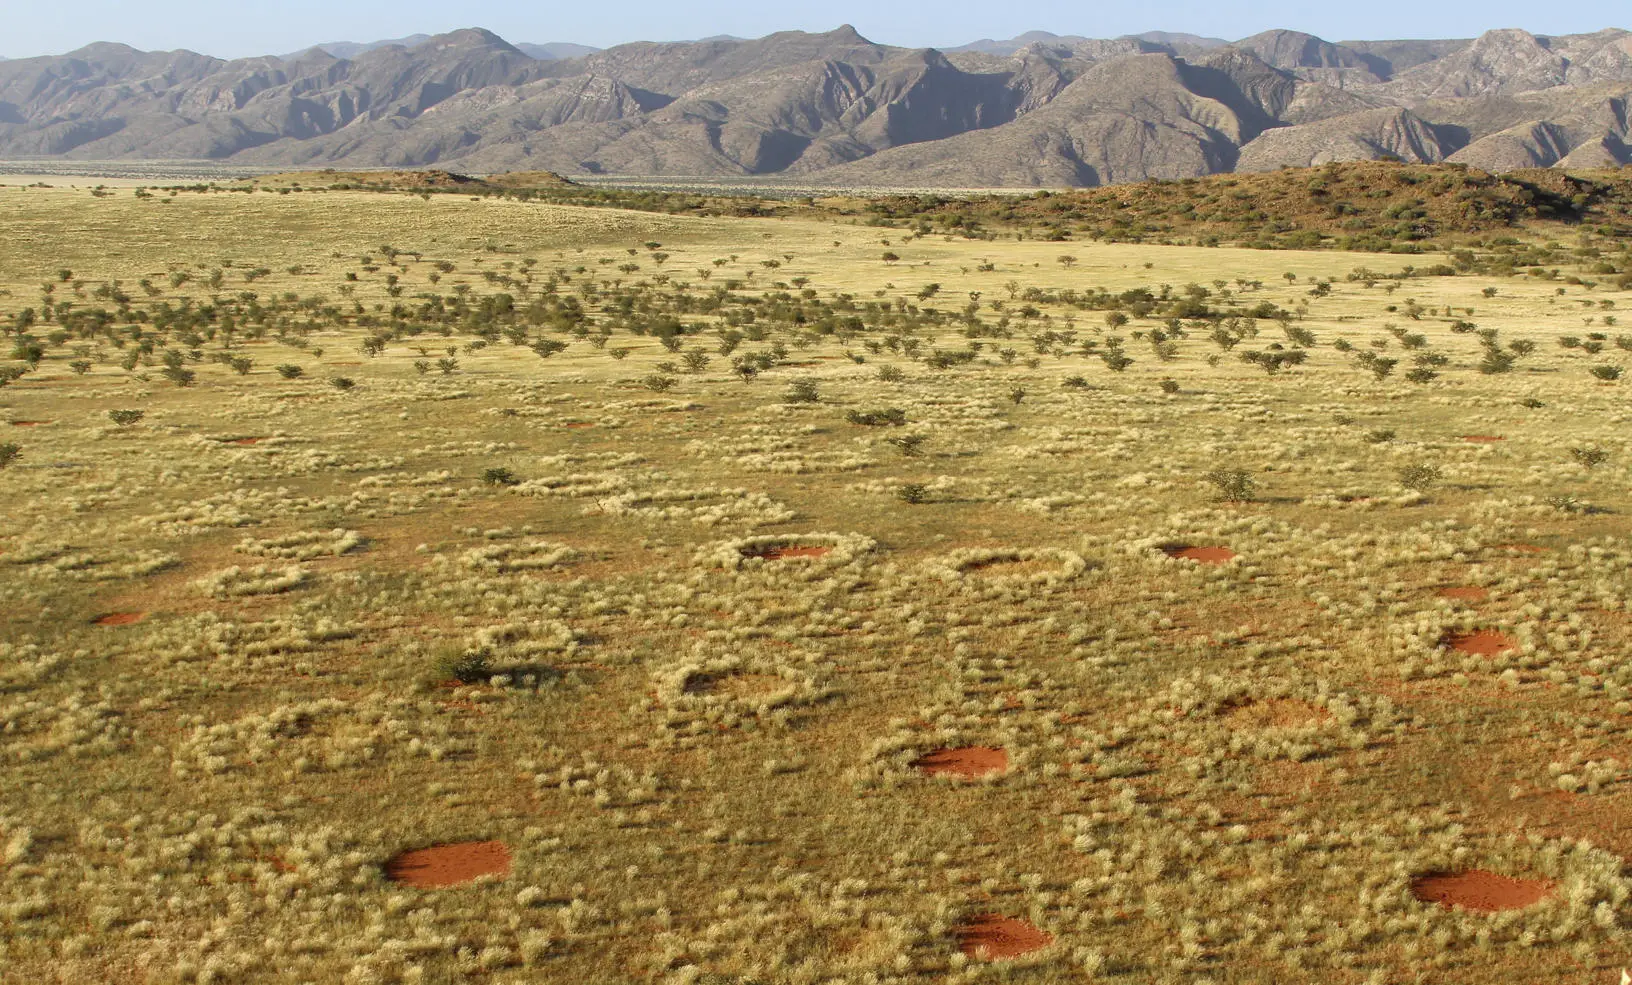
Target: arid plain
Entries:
(441, 588)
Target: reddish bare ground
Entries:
(1485, 892)
(1465, 593)
(969, 762)
(746, 685)
(1483, 438)
(243, 441)
(789, 550)
(449, 865)
(993, 937)
(575, 425)
(1275, 713)
(1483, 643)
(28, 424)
(119, 618)
(1203, 555)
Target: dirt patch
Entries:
(969, 762)
(578, 425)
(119, 619)
(449, 865)
(1465, 593)
(1484, 892)
(735, 685)
(1483, 439)
(1201, 555)
(784, 551)
(1482, 643)
(28, 424)
(243, 441)
(994, 937)
(1519, 548)
(1275, 713)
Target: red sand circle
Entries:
(969, 762)
(1481, 891)
(1483, 643)
(993, 937)
(1202, 555)
(1465, 593)
(119, 618)
(1481, 439)
(449, 865)
(781, 552)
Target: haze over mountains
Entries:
(836, 108)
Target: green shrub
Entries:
(1234, 485)
(290, 371)
(125, 418)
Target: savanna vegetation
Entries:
(405, 585)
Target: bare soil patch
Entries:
(1201, 555)
(1465, 593)
(28, 424)
(994, 937)
(735, 685)
(969, 762)
(1483, 643)
(119, 618)
(1275, 713)
(1481, 891)
(244, 441)
(449, 865)
(1483, 439)
(783, 551)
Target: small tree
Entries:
(802, 391)
(1420, 476)
(1233, 485)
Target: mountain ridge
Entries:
(834, 107)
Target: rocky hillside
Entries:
(837, 108)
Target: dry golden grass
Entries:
(680, 656)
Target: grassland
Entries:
(660, 548)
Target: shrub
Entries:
(909, 444)
(241, 365)
(466, 667)
(801, 391)
(1381, 436)
(1233, 485)
(290, 371)
(890, 374)
(1420, 476)
(1016, 395)
(342, 382)
(500, 476)
(1169, 386)
(658, 383)
(125, 418)
(913, 492)
(1589, 457)
(10, 452)
(1608, 374)
(885, 417)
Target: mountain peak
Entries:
(470, 37)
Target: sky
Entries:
(231, 30)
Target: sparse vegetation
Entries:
(684, 635)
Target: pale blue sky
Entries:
(233, 30)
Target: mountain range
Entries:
(836, 108)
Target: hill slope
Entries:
(837, 108)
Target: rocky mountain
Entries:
(1040, 109)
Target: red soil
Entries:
(1484, 643)
(1484, 892)
(1483, 438)
(1467, 593)
(1202, 555)
(1275, 713)
(779, 553)
(993, 937)
(449, 865)
(28, 424)
(578, 424)
(970, 762)
(119, 618)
